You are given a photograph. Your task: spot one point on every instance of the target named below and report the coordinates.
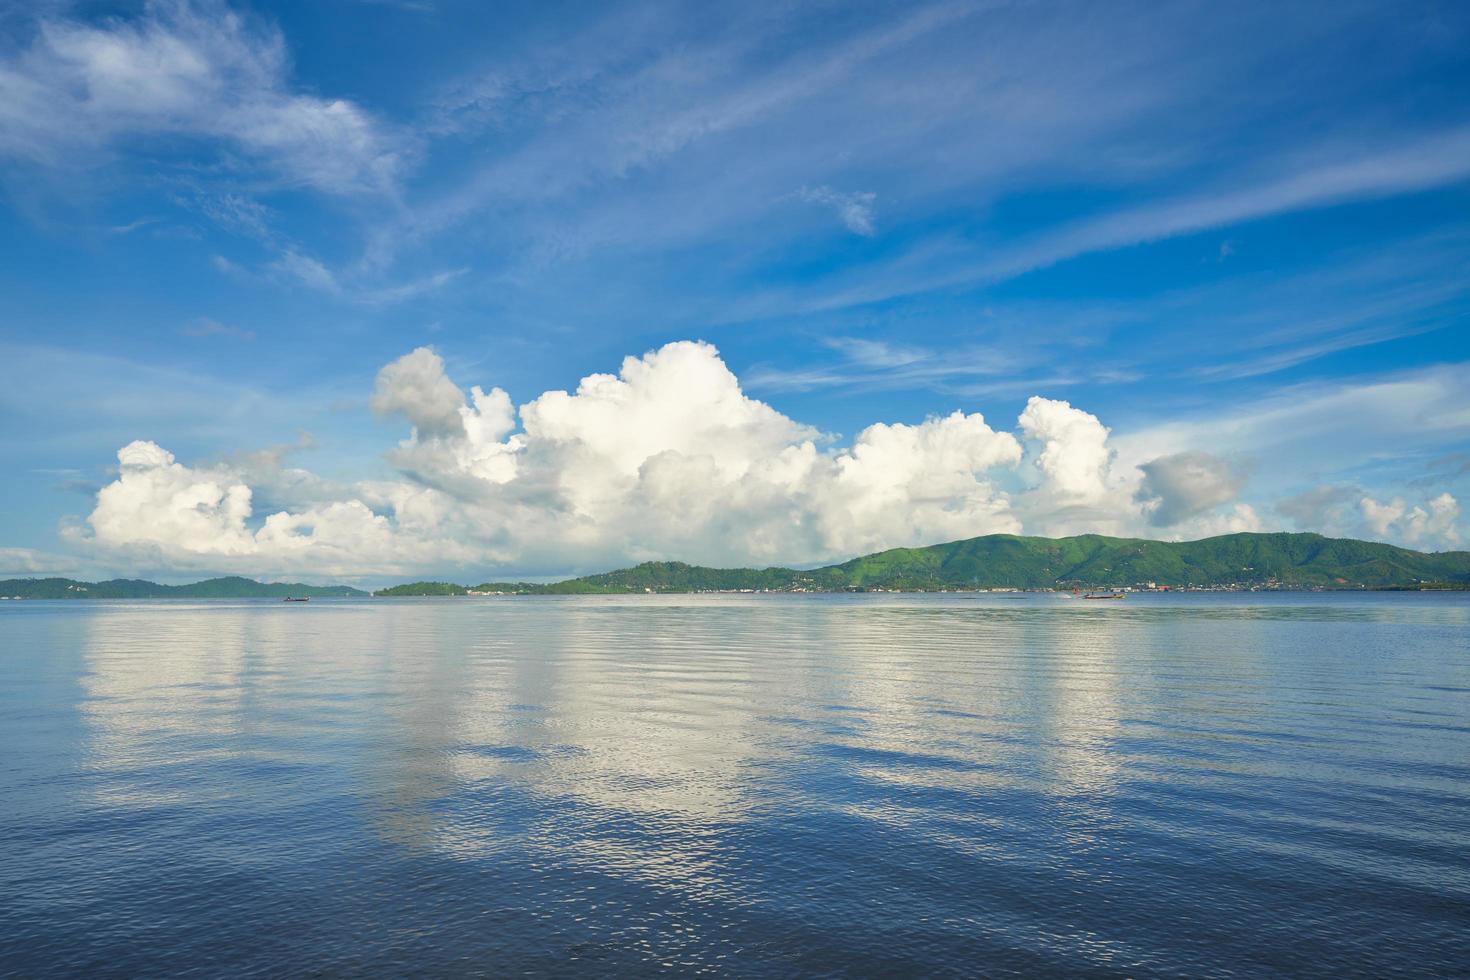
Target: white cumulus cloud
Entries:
(1075, 457)
(1187, 484)
(161, 513)
(1432, 522)
(1348, 510)
(156, 499)
(667, 458)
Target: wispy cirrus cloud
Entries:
(881, 365)
(1323, 429)
(131, 226)
(182, 68)
(1246, 326)
(854, 210)
(624, 112)
(976, 101)
(206, 327)
(293, 267)
(1332, 175)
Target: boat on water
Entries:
(1105, 595)
(292, 598)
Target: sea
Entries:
(1006, 785)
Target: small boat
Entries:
(292, 598)
(1105, 595)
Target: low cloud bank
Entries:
(668, 458)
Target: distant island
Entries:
(995, 561)
(1007, 561)
(232, 587)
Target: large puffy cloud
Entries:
(416, 387)
(1327, 508)
(1075, 458)
(677, 402)
(668, 458)
(29, 563)
(1432, 522)
(1233, 519)
(1074, 483)
(160, 513)
(1187, 484)
(909, 483)
(1351, 511)
(157, 499)
(455, 445)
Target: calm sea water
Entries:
(1027, 785)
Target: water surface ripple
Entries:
(739, 785)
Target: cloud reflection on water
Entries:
(637, 736)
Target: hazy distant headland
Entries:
(996, 561)
(231, 587)
(1005, 561)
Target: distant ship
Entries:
(292, 598)
(1105, 595)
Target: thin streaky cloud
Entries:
(206, 327)
(1433, 161)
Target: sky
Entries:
(341, 290)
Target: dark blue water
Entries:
(1210, 785)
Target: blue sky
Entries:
(1225, 245)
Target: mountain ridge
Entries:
(1287, 560)
(226, 587)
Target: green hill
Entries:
(1086, 561)
(1293, 561)
(1289, 560)
(423, 588)
(232, 587)
(676, 576)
